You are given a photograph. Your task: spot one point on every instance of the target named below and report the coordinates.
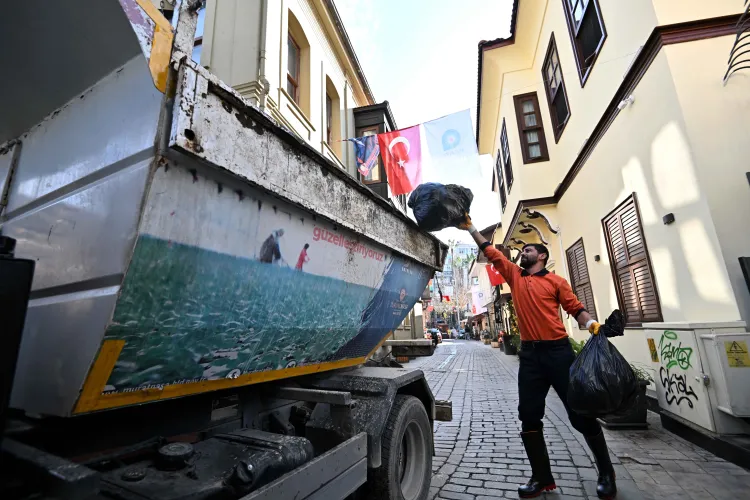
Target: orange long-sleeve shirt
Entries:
(536, 298)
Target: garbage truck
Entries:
(158, 341)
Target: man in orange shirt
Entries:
(545, 359)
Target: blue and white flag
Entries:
(451, 135)
(367, 150)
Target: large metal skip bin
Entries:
(184, 242)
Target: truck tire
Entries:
(406, 450)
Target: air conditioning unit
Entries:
(703, 373)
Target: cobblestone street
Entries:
(479, 455)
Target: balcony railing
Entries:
(739, 56)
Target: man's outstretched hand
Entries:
(466, 225)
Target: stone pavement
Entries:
(479, 455)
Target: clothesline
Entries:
(418, 124)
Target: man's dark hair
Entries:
(541, 249)
(307, 245)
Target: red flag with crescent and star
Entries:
(401, 151)
(495, 278)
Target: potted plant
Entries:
(486, 337)
(636, 418)
(498, 340)
(513, 345)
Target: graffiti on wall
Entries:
(672, 352)
(676, 388)
(676, 359)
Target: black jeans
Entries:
(541, 366)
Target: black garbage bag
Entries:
(614, 326)
(437, 206)
(602, 382)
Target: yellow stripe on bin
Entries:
(161, 51)
(99, 374)
(115, 400)
(161, 45)
(93, 399)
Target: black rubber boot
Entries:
(541, 474)
(605, 486)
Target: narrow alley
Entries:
(479, 455)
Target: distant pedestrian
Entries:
(545, 359)
(270, 251)
(303, 258)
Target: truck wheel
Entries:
(406, 449)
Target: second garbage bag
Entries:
(437, 206)
(601, 380)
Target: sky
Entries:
(421, 56)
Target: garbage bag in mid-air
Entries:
(437, 206)
(602, 382)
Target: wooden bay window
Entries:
(530, 129)
(631, 265)
(579, 276)
(554, 86)
(587, 33)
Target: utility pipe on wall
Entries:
(262, 56)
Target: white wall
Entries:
(231, 50)
(717, 124)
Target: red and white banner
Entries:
(401, 151)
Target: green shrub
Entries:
(577, 346)
(641, 373)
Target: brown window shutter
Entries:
(579, 276)
(631, 267)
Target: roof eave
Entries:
(341, 30)
(493, 44)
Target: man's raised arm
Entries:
(506, 268)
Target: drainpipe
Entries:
(262, 81)
(346, 125)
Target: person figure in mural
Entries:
(303, 258)
(270, 252)
(545, 359)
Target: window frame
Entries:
(294, 80)
(591, 308)
(329, 117)
(199, 32)
(574, 30)
(518, 101)
(500, 181)
(379, 166)
(633, 198)
(507, 160)
(198, 42)
(557, 128)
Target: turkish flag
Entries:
(495, 277)
(401, 151)
(446, 298)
